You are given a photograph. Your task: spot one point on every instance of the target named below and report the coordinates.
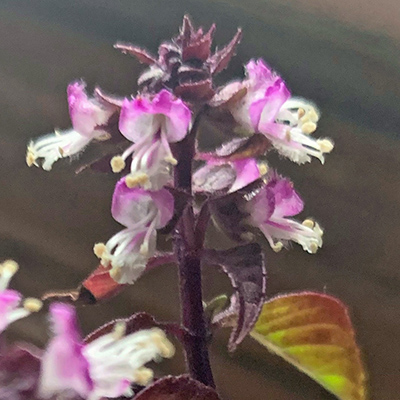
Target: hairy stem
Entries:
(188, 250)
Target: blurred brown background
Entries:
(342, 54)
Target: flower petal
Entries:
(131, 205)
(287, 200)
(86, 113)
(63, 365)
(177, 115)
(137, 120)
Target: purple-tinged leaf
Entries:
(19, 373)
(220, 60)
(245, 267)
(313, 332)
(213, 178)
(199, 49)
(134, 323)
(108, 98)
(141, 54)
(177, 388)
(186, 32)
(189, 74)
(228, 95)
(195, 91)
(227, 210)
(239, 149)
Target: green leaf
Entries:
(313, 332)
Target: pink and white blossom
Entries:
(151, 124)
(89, 118)
(268, 108)
(142, 213)
(105, 367)
(12, 308)
(269, 211)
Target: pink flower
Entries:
(269, 210)
(10, 300)
(105, 367)
(89, 119)
(151, 124)
(268, 108)
(142, 213)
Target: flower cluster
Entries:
(175, 92)
(169, 183)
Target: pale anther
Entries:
(138, 179)
(10, 267)
(32, 304)
(166, 348)
(277, 247)
(119, 330)
(314, 117)
(263, 168)
(309, 223)
(99, 249)
(308, 128)
(30, 158)
(325, 145)
(313, 248)
(143, 376)
(117, 164)
(300, 112)
(171, 160)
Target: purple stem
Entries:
(188, 250)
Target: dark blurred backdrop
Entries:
(342, 54)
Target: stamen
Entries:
(7, 271)
(309, 223)
(9, 267)
(314, 117)
(301, 112)
(139, 179)
(143, 376)
(277, 247)
(99, 249)
(166, 348)
(117, 164)
(308, 128)
(32, 304)
(30, 158)
(313, 248)
(325, 145)
(171, 160)
(119, 330)
(263, 168)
